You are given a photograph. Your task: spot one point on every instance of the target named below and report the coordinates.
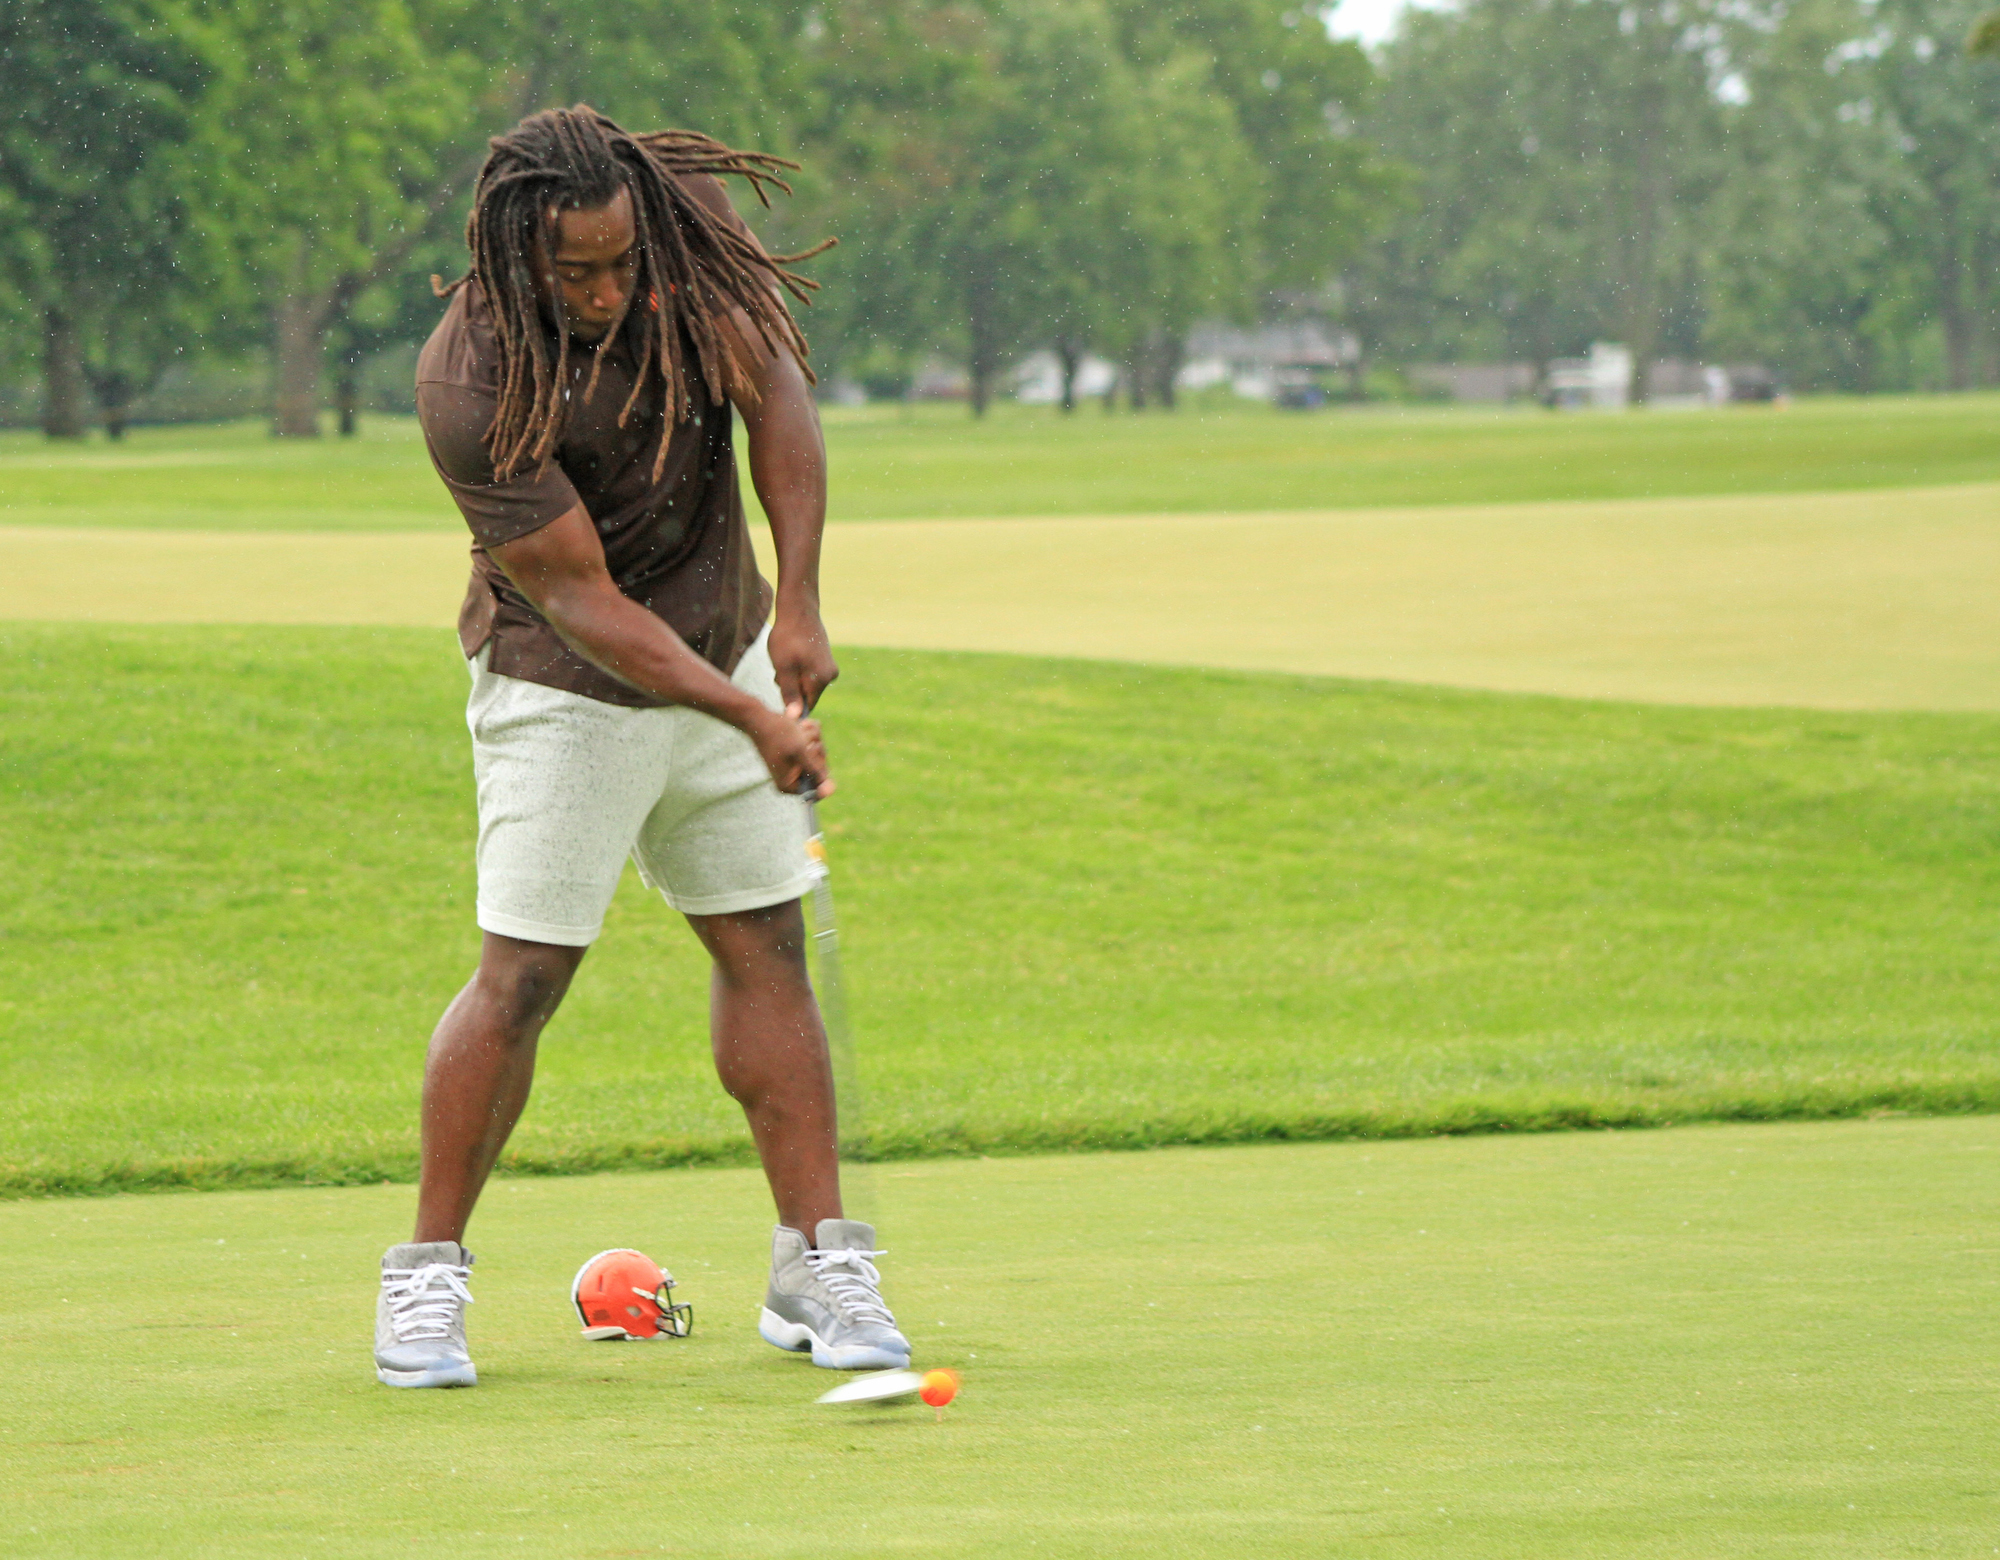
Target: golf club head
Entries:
(875, 1387)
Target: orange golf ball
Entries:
(939, 1388)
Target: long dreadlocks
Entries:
(693, 270)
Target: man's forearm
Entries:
(560, 569)
(615, 632)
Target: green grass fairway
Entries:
(936, 462)
(1085, 905)
(1729, 1342)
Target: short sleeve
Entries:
(455, 419)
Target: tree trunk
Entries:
(114, 400)
(1135, 378)
(1651, 217)
(347, 397)
(1642, 326)
(1953, 315)
(62, 376)
(1069, 354)
(298, 340)
(1169, 353)
(985, 360)
(1986, 327)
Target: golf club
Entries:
(857, 1181)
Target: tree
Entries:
(1003, 176)
(1941, 107)
(1026, 233)
(1562, 149)
(1297, 97)
(973, 154)
(371, 121)
(1802, 270)
(98, 94)
(329, 131)
(884, 83)
(1186, 224)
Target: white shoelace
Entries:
(854, 1284)
(424, 1302)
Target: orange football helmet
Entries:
(625, 1294)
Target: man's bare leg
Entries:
(770, 1052)
(478, 1072)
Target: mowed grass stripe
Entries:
(1724, 1342)
(1852, 600)
(101, 575)
(1085, 905)
(1878, 600)
(1213, 456)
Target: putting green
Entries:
(1776, 1341)
(1865, 600)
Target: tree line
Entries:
(1811, 183)
(1814, 184)
(213, 175)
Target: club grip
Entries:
(808, 786)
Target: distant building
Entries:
(1676, 382)
(1602, 381)
(1475, 381)
(1289, 363)
(1037, 378)
(938, 380)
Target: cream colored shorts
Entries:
(569, 787)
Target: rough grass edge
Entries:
(1454, 1118)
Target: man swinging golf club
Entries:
(627, 697)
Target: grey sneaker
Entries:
(420, 1316)
(829, 1300)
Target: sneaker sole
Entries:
(796, 1338)
(450, 1376)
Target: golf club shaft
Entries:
(857, 1182)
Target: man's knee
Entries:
(526, 982)
(756, 945)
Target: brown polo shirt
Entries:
(678, 546)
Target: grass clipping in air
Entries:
(1083, 907)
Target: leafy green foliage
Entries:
(1940, 110)
(1564, 148)
(1296, 96)
(1809, 184)
(94, 191)
(1004, 176)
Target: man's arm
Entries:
(560, 569)
(788, 469)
